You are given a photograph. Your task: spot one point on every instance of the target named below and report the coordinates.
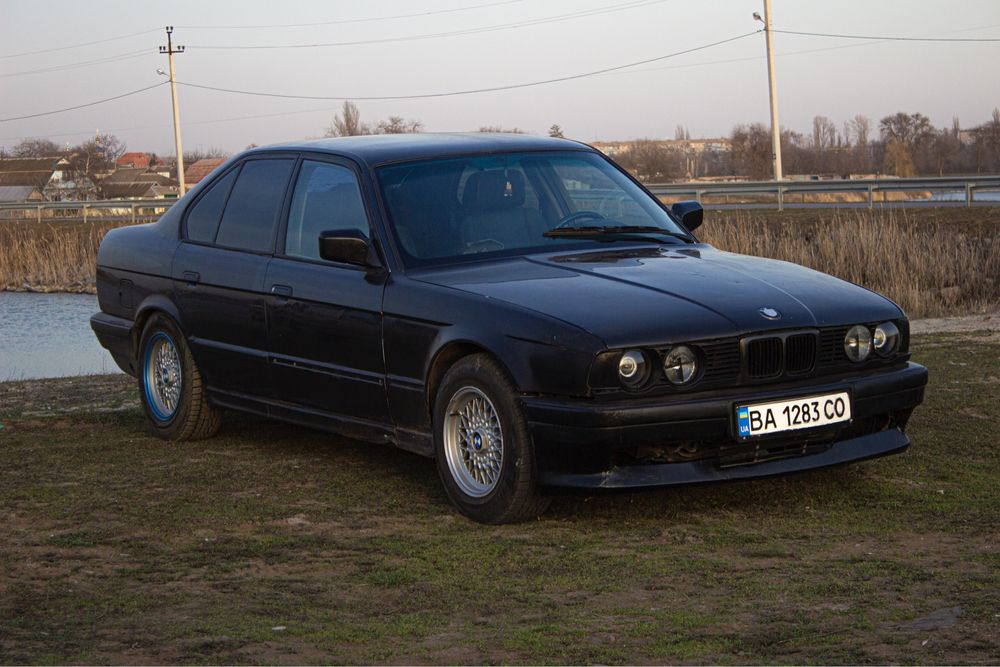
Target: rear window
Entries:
(252, 211)
(203, 220)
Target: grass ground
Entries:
(275, 544)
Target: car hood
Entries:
(655, 295)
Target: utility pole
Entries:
(170, 50)
(773, 88)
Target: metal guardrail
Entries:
(966, 186)
(138, 210)
(115, 210)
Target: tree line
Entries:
(901, 144)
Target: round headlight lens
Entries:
(632, 368)
(858, 343)
(886, 339)
(680, 365)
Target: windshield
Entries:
(514, 204)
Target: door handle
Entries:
(192, 278)
(281, 294)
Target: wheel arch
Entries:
(447, 356)
(156, 303)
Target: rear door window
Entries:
(203, 220)
(252, 211)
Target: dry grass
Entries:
(50, 256)
(805, 197)
(931, 262)
(929, 269)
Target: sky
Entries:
(707, 90)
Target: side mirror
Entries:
(348, 246)
(690, 213)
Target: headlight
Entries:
(632, 368)
(886, 339)
(681, 365)
(858, 343)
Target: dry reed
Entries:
(49, 257)
(928, 269)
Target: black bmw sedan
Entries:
(519, 309)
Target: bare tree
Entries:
(824, 133)
(681, 133)
(650, 160)
(898, 160)
(860, 127)
(213, 153)
(987, 143)
(36, 148)
(911, 129)
(348, 122)
(398, 125)
(751, 150)
(97, 155)
(556, 131)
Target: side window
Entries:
(326, 197)
(252, 212)
(203, 220)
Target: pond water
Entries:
(48, 335)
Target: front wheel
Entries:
(170, 386)
(482, 446)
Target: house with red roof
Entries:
(134, 160)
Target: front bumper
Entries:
(686, 439)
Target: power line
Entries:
(357, 20)
(786, 53)
(88, 104)
(632, 4)
(475, 90)
(890, 39)
(129, 55)
(77, 46)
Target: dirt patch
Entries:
(967, 323)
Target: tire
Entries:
(478, 420)
(171, 391)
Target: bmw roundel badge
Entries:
(770, 313)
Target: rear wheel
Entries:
(170, 385)
(482, 446)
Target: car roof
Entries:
(379, 149)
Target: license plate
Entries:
(793, 414)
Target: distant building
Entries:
(695, 146)
(132, 183)
(200, 169)
(18, 193)
(138, 190)
(53, 177)
(66, 184)
(134, 160)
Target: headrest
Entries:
(493, 190)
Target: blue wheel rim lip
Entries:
(145, 377)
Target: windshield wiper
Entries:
(615, 233)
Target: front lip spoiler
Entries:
(875, 445)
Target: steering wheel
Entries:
(579, 215)
(483, 245)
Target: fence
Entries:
(870, 192)
(132, 211)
